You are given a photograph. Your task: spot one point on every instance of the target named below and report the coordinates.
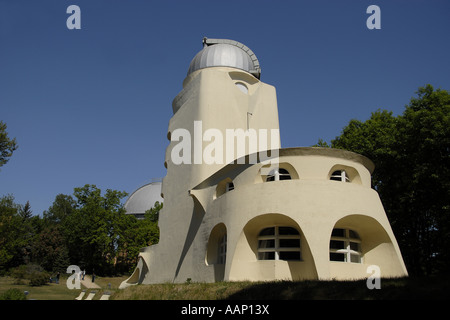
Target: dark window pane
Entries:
(266, 255)
(287, 231)
(355, 258)
(337, 257)
(270, 178)
(287, 255)
(266, 243)
(268, 232)
(289, 243)
(336, 175)
(336, 244)
(354, 246)
(338, 233)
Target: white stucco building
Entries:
(310, 215)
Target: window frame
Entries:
(348, 252)
(278, 250)
(222, 250)
(342, 176)
(276, 175)
(229, 186)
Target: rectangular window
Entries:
(290, 255)
(345, 246)
(338, 233)
(289, 243)
(267, 232)
(334, 256)
(285, 231)
(230, 186)
(279, 243)
(337, 244)
(354, 246)
(266, 255)
(269, 243)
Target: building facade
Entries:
(307, 213)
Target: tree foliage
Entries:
(88, 229)
(411, 153)
(7, 145)
(15, 234)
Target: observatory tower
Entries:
(231, 215)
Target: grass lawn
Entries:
(428, 288)
(434, 288)
(53, 291)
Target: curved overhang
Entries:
(248, 160)
(330, 152)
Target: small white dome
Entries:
(144, 198)
(225, 53)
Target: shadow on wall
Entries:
(196, 220)
(138, 275)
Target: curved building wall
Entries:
(314, 205)
(311, 203)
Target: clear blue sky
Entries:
(93, 105)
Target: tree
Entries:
(7, 145)
(149, 225)
(25, 212)
(14, 234)
(62, 207)
(152, 214)
(93, 229)
(411, 153)
(136, 234)
(50, 250)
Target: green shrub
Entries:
(39, 278)
(19, 274)
(32, 273)
(13, 294)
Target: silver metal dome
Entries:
(144, 198)
(225, 53)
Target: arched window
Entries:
(241, 86)
(345, 246)
(223, 187)
(340, 175)
(278, 174)
(216, 250)
(279, 243)
(222, 250)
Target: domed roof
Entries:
(144, 198)
(225, 53)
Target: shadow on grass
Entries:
(436, 287)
